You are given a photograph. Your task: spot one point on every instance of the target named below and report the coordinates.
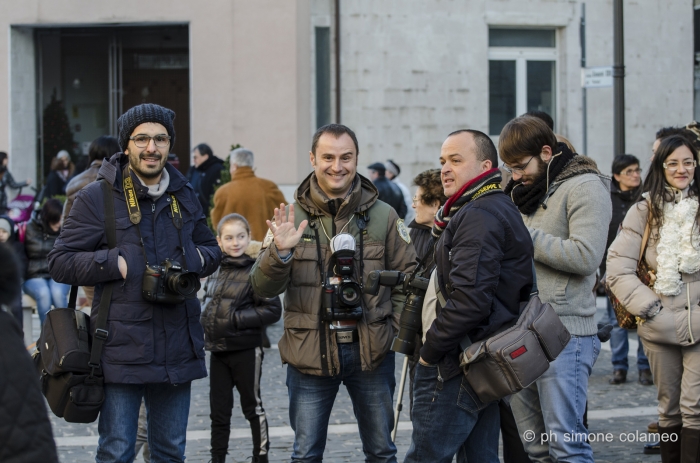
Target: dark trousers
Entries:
(513, 450)
(242, 370)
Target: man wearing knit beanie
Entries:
(155, 346)
(151, 143)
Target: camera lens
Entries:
(184, 284)
(350, 294)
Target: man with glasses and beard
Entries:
(565, 203)
(154, 348)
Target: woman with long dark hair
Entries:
(40, 237)
(6, 179)
(668, 310)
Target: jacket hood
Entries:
(13, 234)
(212, 160)
(111, 171)
(246, 259)
(579, 165)
(314, 200)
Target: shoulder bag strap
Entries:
(100, 335)
(645, 237)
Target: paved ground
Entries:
(612, 410)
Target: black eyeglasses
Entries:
(142, 141)
(518, 170)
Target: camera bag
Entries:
(67, 356)
(511, 360)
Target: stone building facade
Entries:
(264, 73)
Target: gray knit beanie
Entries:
(147, 112)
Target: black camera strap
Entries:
(135, 216)
(322, 324)
(100, 335)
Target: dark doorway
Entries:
(97, 73)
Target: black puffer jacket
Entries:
(233, 314)
(25, 429)
(484, 270)
(38, 242)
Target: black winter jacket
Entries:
(484, 265)
(25, 429)
(391, 194)
(204, 177)
(621, 203)
(38, 242)
(423, 242)
(233, 314)
(148, 342)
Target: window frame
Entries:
(521, 55)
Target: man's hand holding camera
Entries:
(285, 235)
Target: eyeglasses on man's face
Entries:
(517, 170)
(673, 166)
(142, 141)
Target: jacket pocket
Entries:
(561, 283)
(300, 347)
(306, 271)
(130, 340)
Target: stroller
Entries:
(20, 211)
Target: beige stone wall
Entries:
(249, 71)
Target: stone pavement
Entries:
(613, 410)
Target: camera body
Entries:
(168, 283)
(342, 295)
(410, 322)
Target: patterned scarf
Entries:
(486, 183)
(529, 197)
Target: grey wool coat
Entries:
(569, 231)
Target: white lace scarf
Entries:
(676, 252)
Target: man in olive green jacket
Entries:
(322, 354)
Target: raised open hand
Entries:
(283, 231)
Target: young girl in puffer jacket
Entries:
(233, 318)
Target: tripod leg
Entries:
(399, 398)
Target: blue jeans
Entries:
(46, 291)
(551, 409)
(311, 401)
(167, 408)
(619, 344)
(449, 419)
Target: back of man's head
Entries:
(103, 148)
(525, 136)
(242, 157)
(337, 130)
(485, 149)
(204, 149)
(542, 115)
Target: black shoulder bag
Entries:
(67, 356)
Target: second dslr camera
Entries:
(168, 283)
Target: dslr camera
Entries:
(410, 322)
(342, 295)
(168, 283)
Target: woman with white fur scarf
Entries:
(667, 311)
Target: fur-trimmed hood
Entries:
(579, 165)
